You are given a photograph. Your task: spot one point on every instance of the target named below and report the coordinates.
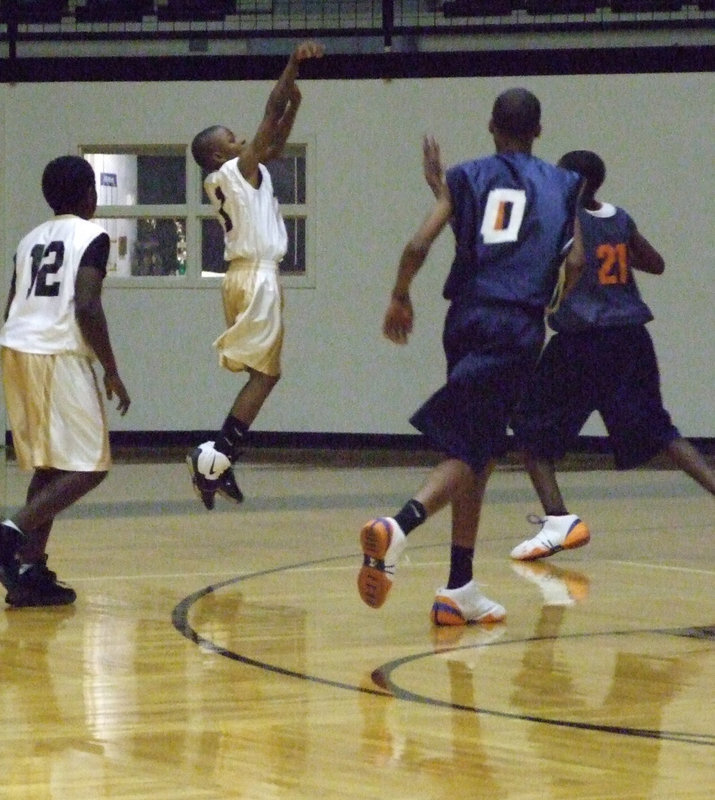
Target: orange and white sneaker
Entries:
(564, 532)
(465, 605)
(382, 542)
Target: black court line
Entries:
(384, 679)
(388, 688)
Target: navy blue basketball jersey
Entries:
(606, 295)
(513, 219)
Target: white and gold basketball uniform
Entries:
(255, 241)
(53, 399)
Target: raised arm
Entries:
(279, 115)
(432, 165)
(399, 316)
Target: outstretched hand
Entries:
(432, 164)
(307, 50)
(113, 385)
(399, 318)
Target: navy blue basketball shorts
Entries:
(612, 371)
(491, 352)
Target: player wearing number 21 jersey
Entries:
(601, 359)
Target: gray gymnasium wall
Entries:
(340, 375)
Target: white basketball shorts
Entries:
(56, 412)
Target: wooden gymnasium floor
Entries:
(226, 655)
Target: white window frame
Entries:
(194, 211)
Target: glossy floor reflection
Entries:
(226, 654)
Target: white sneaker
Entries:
(382, 542)
(464, 605)
(564, 532)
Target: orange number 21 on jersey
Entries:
(614, 263)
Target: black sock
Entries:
(230, 437)
(410, 516)
(460, 566)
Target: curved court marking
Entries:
(382, 675)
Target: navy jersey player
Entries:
(54, 329)
(601, 358)
(513, 217)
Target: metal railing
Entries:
(87, 20)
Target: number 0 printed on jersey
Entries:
(503, 215)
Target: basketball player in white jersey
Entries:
(54, 329)
(255, 241)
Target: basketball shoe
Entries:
(10, 541)
(464, 605)
(211, 472)
(564, 532)
(382, 542)
(38, 586)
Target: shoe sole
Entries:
(373, 583)
(578, 536)
(207, 498)
(39, 602)
(446, 612)
(228, 496)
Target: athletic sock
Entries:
(231, 436)
(410, 516)
(460, 566)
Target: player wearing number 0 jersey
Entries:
(513, 220)
(512, 216)
(55, 328)
(602, 359)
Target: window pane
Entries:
(145, 246)
(161, 180)
(287, 175)
(294, 261)
(212, 247)
(139, 178)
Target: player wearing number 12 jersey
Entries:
(602, 359)
(513, 217)
(55, 327)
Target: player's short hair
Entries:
(65, 181)
(588, 165)
(517, 112)
(202, 145)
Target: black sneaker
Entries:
(38, 586)
(206, 489)
(10, 541)
(228, 487)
